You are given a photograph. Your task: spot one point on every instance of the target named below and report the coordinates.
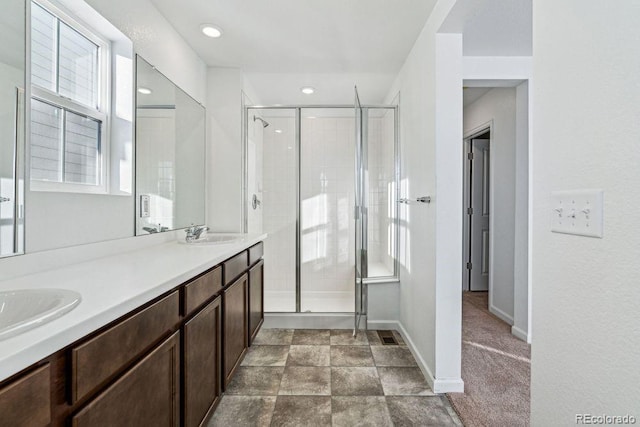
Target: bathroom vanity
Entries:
(165, 362)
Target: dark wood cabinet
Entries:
(26, 401)
(147, 394)
(234, 321)
(256, 299)
(201, 358)
(165, 363)
(201, 289)
(97, 360)
(235, 266)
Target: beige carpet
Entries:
(496, 369)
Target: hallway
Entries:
(496, 369)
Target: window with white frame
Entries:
(69, 112)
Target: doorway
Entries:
(477, 210)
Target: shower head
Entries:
(264, 122)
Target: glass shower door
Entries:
(360, 213)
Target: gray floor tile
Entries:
(243, 411)
(418, 411)
(351, 355)
(345, 337)
(353, 411)
(404, 382)
(273, 337)
(306, 380)
(311, 337)
(393, 356)
(373, 338)
(266, 355)
(309, 355)
(295, 411)
(255, 381)
(355, 381)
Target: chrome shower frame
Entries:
(298, 115)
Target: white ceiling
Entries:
(328, 44)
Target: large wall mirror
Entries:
(170, 154)
(12, 84)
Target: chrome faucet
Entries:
(194, 232)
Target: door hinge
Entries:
(469, 211)
(468, 266)
(470, 156)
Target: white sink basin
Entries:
(215, 239)
(21, 310)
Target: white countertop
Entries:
(110, 287)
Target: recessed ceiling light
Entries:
(278, 131)
(211, 30)
(307, 90)
(144, 90)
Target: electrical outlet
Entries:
(577, 212)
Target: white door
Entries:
(479, 212)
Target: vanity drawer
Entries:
(255, 253)
(234, 267)
(26, 401)
(201, 289)
(97, 360)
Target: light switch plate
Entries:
(577, 212)
(145, 206)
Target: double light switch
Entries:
(577, 212)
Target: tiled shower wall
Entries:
(328, 229)
(279, 214)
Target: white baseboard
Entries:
(448, 385)
(519, 333)
(421, 362)
(309, 320)
(384, 324)
(501, 314)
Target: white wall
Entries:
(498, 107)
(586, 134)
(50, 223)
(521, 311)
(431, 135)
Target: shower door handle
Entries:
(4, 199)
(255, 202)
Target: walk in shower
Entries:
(303, 182)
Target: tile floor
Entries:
(328, 378)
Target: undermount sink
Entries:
(21, 310)
(215, 239)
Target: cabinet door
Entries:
(256, 299)
(234, 324)
(202, 343)
(146, 395)
(26, 401)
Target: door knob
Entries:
(4, 199)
